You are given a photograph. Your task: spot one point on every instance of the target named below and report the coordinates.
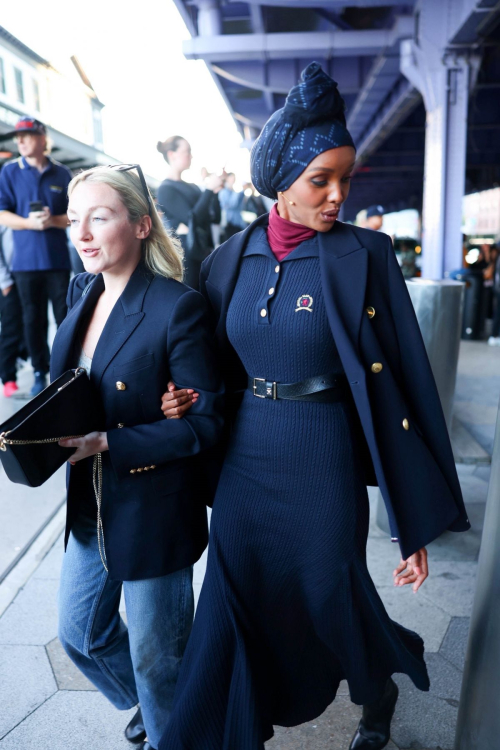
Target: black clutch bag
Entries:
(29, 440)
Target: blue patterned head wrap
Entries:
(311, 122)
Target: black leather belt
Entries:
(322, 388)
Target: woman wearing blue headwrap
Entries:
(332, 391)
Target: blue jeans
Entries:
(138, 664)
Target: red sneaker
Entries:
(10, 388)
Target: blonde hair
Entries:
(162, 253)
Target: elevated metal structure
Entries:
(255, 51)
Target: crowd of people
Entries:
(37, 255)
(295, 377)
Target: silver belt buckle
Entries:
(255, 380)
(271, 389)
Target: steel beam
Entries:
(209, 18)
(340, 4)
(278, 76)
(291, 45)
(403, 99)
(257, 19)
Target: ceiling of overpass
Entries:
(257, 49)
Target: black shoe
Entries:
(135, 731)
(374, 730)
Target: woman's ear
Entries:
(144, 227)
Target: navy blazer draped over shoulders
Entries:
(386, 363)
(153, 509)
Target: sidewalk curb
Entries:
(27, 565)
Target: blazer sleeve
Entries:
(419, 385)
(192, 364)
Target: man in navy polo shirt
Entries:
(41, 263)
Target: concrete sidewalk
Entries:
(46, 703)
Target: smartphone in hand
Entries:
(36, 206)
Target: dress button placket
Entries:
(270, 293)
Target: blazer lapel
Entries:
(344, 273)
(64, 343)
(122, 322)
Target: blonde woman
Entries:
(133, 325)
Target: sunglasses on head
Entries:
(137, 167)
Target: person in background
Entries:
(407, 258)
(374, 217)
(41, 263)
(478, 258)
(189, 211)
(12, 344)
(493, 273)
(255, 203)
(232, 203)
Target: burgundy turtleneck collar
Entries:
(284, 236)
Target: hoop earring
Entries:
(292, 203)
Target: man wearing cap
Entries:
(374, 217)
(41, 263)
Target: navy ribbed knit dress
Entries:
(288, 608)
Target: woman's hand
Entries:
(89, 445)
(414, 570)
(175, 403)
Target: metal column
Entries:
(478, 726)
(209, 18)
(443, 77)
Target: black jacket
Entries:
(414, 467)
(153, 509)
(183, 201)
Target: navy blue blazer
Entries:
(153, 510)
(414, 467)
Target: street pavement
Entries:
(46, 703)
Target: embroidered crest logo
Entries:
(305, 302)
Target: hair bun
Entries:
(315, 97)
(159, 147)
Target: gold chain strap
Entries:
(96, 479)
(5, 441)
